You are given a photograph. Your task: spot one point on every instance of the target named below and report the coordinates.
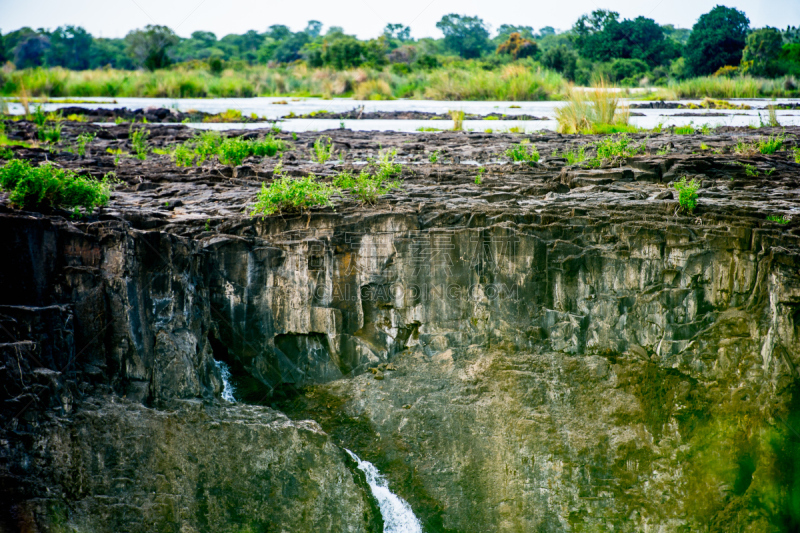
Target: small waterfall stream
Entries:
(397, 514)
(227, 389)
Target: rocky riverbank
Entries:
(536, 346)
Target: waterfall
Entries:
(397, 514)
(227, 389)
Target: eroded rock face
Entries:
(555, 349)
(118, 466)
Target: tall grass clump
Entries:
(513, 83)
(594, 111)
(285, 194)
(722, 87)
(48, 186)
(322, 149)
(458, 120)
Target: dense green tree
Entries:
(2, 48)
(397, 32)
(149, 47)
(313, 28)
(68, 48)
(32, 51)
(717, 39)
(601, 36)
(288, 50)
(629, 69)
(466, 36)
(109, 52)
(561, 59)
(762, 51)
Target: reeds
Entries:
(721, 87)
(593, 111)
(458, 119)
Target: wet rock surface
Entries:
(152, 115)
(556, 348)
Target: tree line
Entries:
(721, 42)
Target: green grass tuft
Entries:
(48, 186)
(687, 193)
(286, 194)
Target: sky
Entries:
(363, 18)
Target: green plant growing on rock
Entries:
(139, 142)
(39, 117)
(82, 141)
(750, 170)
(779, 219)
(664, 150)
(369, 186)
(574, 157)
(479, 176)
(522, 152)
(771, 144)
(322, 150)
(687, 193)
(796, 152)
(233, 151)
(684, 130)
(117, 153)
(285, 194)
(47, 186)
(610, 148)
(434, 156)
(51, 134)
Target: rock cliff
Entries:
(554, 349)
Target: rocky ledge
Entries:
(550, 347)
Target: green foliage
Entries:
(233, 151)
(466, 36)
(750, 170)
(575, 157)
(229, 115)
(771, 144)
(684, 130)
(285, 194)
(82, 141)
(138, 138)
(150, 46)
(796, 152)
(322, 150)
(434, 156)
(47, 186)
(369, 186)
(479, 176)
(622, 146)
(780, 219)
(717, 39)
(601, 36)
(230, 151)
(522, 152)
(687, 193)
(39, 116)
(50, 134)
(761, 53)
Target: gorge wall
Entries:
(556, 349)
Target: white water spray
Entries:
(397, 514)
(227, 387)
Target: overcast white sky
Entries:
(364, 18)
